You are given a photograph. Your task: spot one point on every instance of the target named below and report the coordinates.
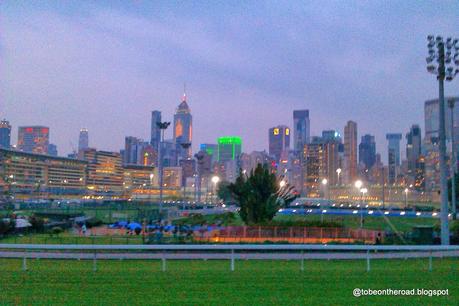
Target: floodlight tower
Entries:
(162, 126)
(440, 51)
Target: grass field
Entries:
(211, 282)
(402, 224)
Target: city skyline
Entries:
(49, 79)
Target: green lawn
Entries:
(68, 238)
(403, 224)
(211, 282)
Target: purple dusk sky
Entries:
(105, 65)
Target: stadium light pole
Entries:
(453, 162)
(185, 146)
(436, 49)
(162, 126)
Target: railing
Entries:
(300, 252)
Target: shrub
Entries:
(56, 230)
(93, 222)
(38, 224)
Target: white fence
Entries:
(300, 252)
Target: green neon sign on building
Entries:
(229, 148)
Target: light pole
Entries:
(437, 53)
(200, 165)
(162, 126)
(363, 191)
(358, 184)
(453, 162)
(406, 198)
(338, 172)
(185, 146)
(215, 180)
(326, 190)
(151, 185)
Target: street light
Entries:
(437, 54)
(185, 146)
(338, 172)
(326, 190)
(215, 180)
(162, 126)
(282, 184)
(453, 158)
(363, 191)
(406, 198)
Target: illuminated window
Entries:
(276, 131)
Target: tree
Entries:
(224, 193)
(259, 195)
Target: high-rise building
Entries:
(279, 141)
(33, 139)
(320, 161)
(229, 148)
(350, 152)
(430, 143)
(5, 134)
(52, 150)
(331, 135)
(301, 129)
(393, 158)
(155, 130)
(413, 148)
(83, 139)
(137, 151)
(183, 129)
(367, 151)
(211, 149)
(432, 119)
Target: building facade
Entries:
(279, 141)
(183, 130)
(367, 151)
(350, 152)
(393, 158)
(38, 175)
(301, 129)
(155, 134)
(229, 148)
(104, 173)
(33, 139)
(83, 139)
(5, 134)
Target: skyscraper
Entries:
(350, 152)
(367, 151)
(33, 139)
(52, 149)
(229, 148)
(5, 134)
(183, 129)
(413, 148)
(83, 140)
(279, 141)
(431, 117)
(137, 151)
(155, 130)
(301, 129)
(393, 158)
(320, 161)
